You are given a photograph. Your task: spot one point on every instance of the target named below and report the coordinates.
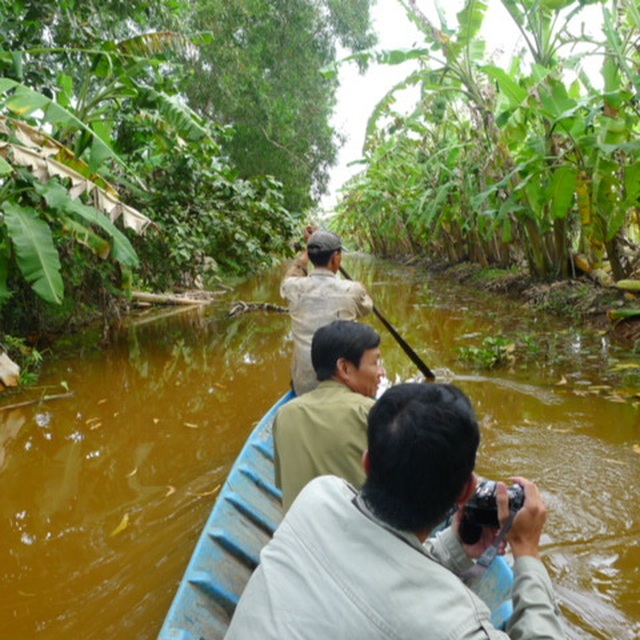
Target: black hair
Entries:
(422, 441)
(320, 258)
(340, 339)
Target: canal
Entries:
(105, 491)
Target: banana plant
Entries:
(447, 74)
(55, 175)
(545, 25)
(28, 161)
(493, 162)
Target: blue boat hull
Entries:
(242, 521)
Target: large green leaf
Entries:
(378, 56)
(561, 190)
(24, 101)
(632, 183)
(516, 94)
(36, 254)
(470, 21)
(56, 197)
(555, 100)
(516, 12)
(122, 250)
(5, 167)
(86, 237)
(4, 270)
(186, 122)
(555, 5)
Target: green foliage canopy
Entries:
(260, 74)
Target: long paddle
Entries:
(415, 358)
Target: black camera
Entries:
(482, 509)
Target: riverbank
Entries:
(581, 299)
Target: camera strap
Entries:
(489, 554)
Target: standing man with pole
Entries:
(318, 298)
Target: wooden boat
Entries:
(242, 521)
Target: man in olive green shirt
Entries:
(324, 431)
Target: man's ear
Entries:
(467, 490)
(342, 370)
(365, 462)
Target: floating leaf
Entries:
(170, 491)
(621, 366)
(629, 285)
(614, 398)
(124, 523)
(208, 493)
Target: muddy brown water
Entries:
(104, 493)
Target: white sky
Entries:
(358, 94)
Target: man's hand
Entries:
(524, 536)
(487, 537)
(309, 230)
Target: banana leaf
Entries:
(56, 197)
(36, 255)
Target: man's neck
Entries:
(324, 267)
(408, 536)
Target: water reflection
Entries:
(104, 493)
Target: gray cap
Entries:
(322, 241)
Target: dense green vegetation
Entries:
(537, 164)
(156, 143)
(260, 74)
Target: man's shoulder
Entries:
(327, 399)
(351, 397)
(333, 390)
(295, 406)
(328, 489)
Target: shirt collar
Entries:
(322, 272)
(410, 538)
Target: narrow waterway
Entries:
(104, 493)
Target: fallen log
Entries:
(158, 298)
(153, 314)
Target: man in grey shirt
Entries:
(361, 565)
